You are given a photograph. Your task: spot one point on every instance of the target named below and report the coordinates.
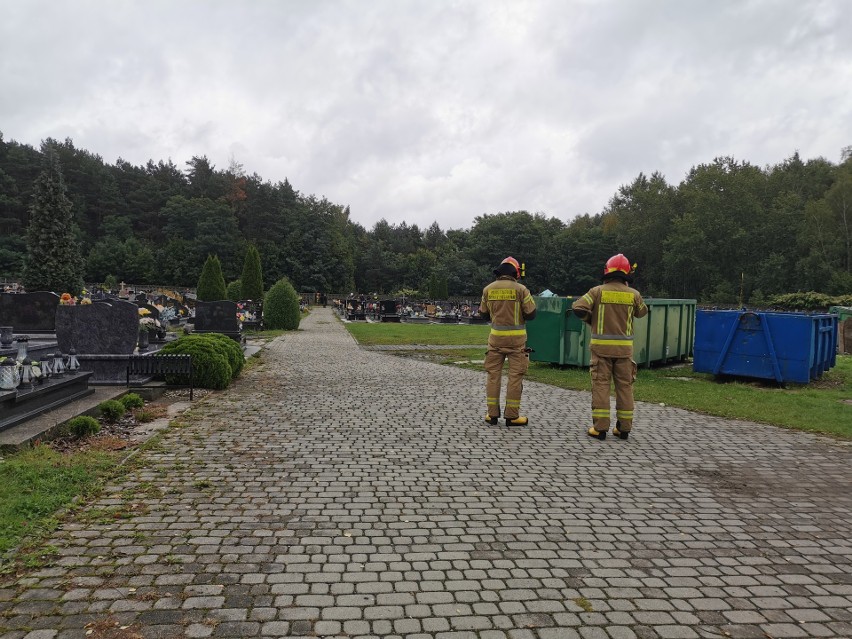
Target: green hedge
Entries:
(281, 307)
(809, 301)
(216, 358)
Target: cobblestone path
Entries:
(338, 491)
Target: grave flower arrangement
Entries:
(66, 299)
(148, 324)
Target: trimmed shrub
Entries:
(211, 283)
(112, 410)
(235, 291)
(281, 307)
(131, 401)
(209, 363)
(229, 348)
(83, 426)
(252, 278)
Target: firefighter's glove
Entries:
(582, 313)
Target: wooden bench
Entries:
(180, 365)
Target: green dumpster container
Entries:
(666, 333)
(842, 312)
(844, 323)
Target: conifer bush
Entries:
(83, 426)
(210, 365)
(53, 261)
(211, 283)
(235, 291)
(281, 307)
(252, 277)
(131, 401)
(112, 410)
(229, 348)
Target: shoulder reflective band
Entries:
(528, 298)
(502, 294)
(588, 298)
(616, 297)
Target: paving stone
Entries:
(349, 491)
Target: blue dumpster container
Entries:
(786, 347)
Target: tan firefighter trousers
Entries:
(621, 371)
(518, 364)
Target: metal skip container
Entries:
(558, 336)
(844, 329)
(786, 347)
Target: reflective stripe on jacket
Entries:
(508, 302)
(610, 309)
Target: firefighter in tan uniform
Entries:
(609, 309)
(509, 305)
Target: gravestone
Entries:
(153, 310)
(104, 334)
(99, 328)
(388, 311)
(218, 317)
(29, 312)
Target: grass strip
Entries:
(822, 406)
(38, 482)
(392, 333)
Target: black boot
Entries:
(601, 435)
(621, 434)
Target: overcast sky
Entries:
(431, 110)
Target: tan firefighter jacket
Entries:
(509, 304)
(609, 309)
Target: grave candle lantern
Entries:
(9, 374)
(27, 376)
(73, 362)
(46, 371)
(58, 364)
(23, 347)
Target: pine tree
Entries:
(252, 278)
(211, 284)
(53, 261)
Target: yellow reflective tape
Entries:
(601, 310)
(600, 413)
(626, 414)
(617, 297)
(528, 298)
(588, 298)
(492, 400)
(611, 342)
(629, 330)
(523, 331)
(513, 402)
(502, 294)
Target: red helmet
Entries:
(617, 263)
(511, 260)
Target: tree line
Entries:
(729, 230)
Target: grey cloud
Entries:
(437, 110)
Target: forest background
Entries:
(728, 232)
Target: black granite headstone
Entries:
(29, 312)
(99, 328)
(216, 317)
